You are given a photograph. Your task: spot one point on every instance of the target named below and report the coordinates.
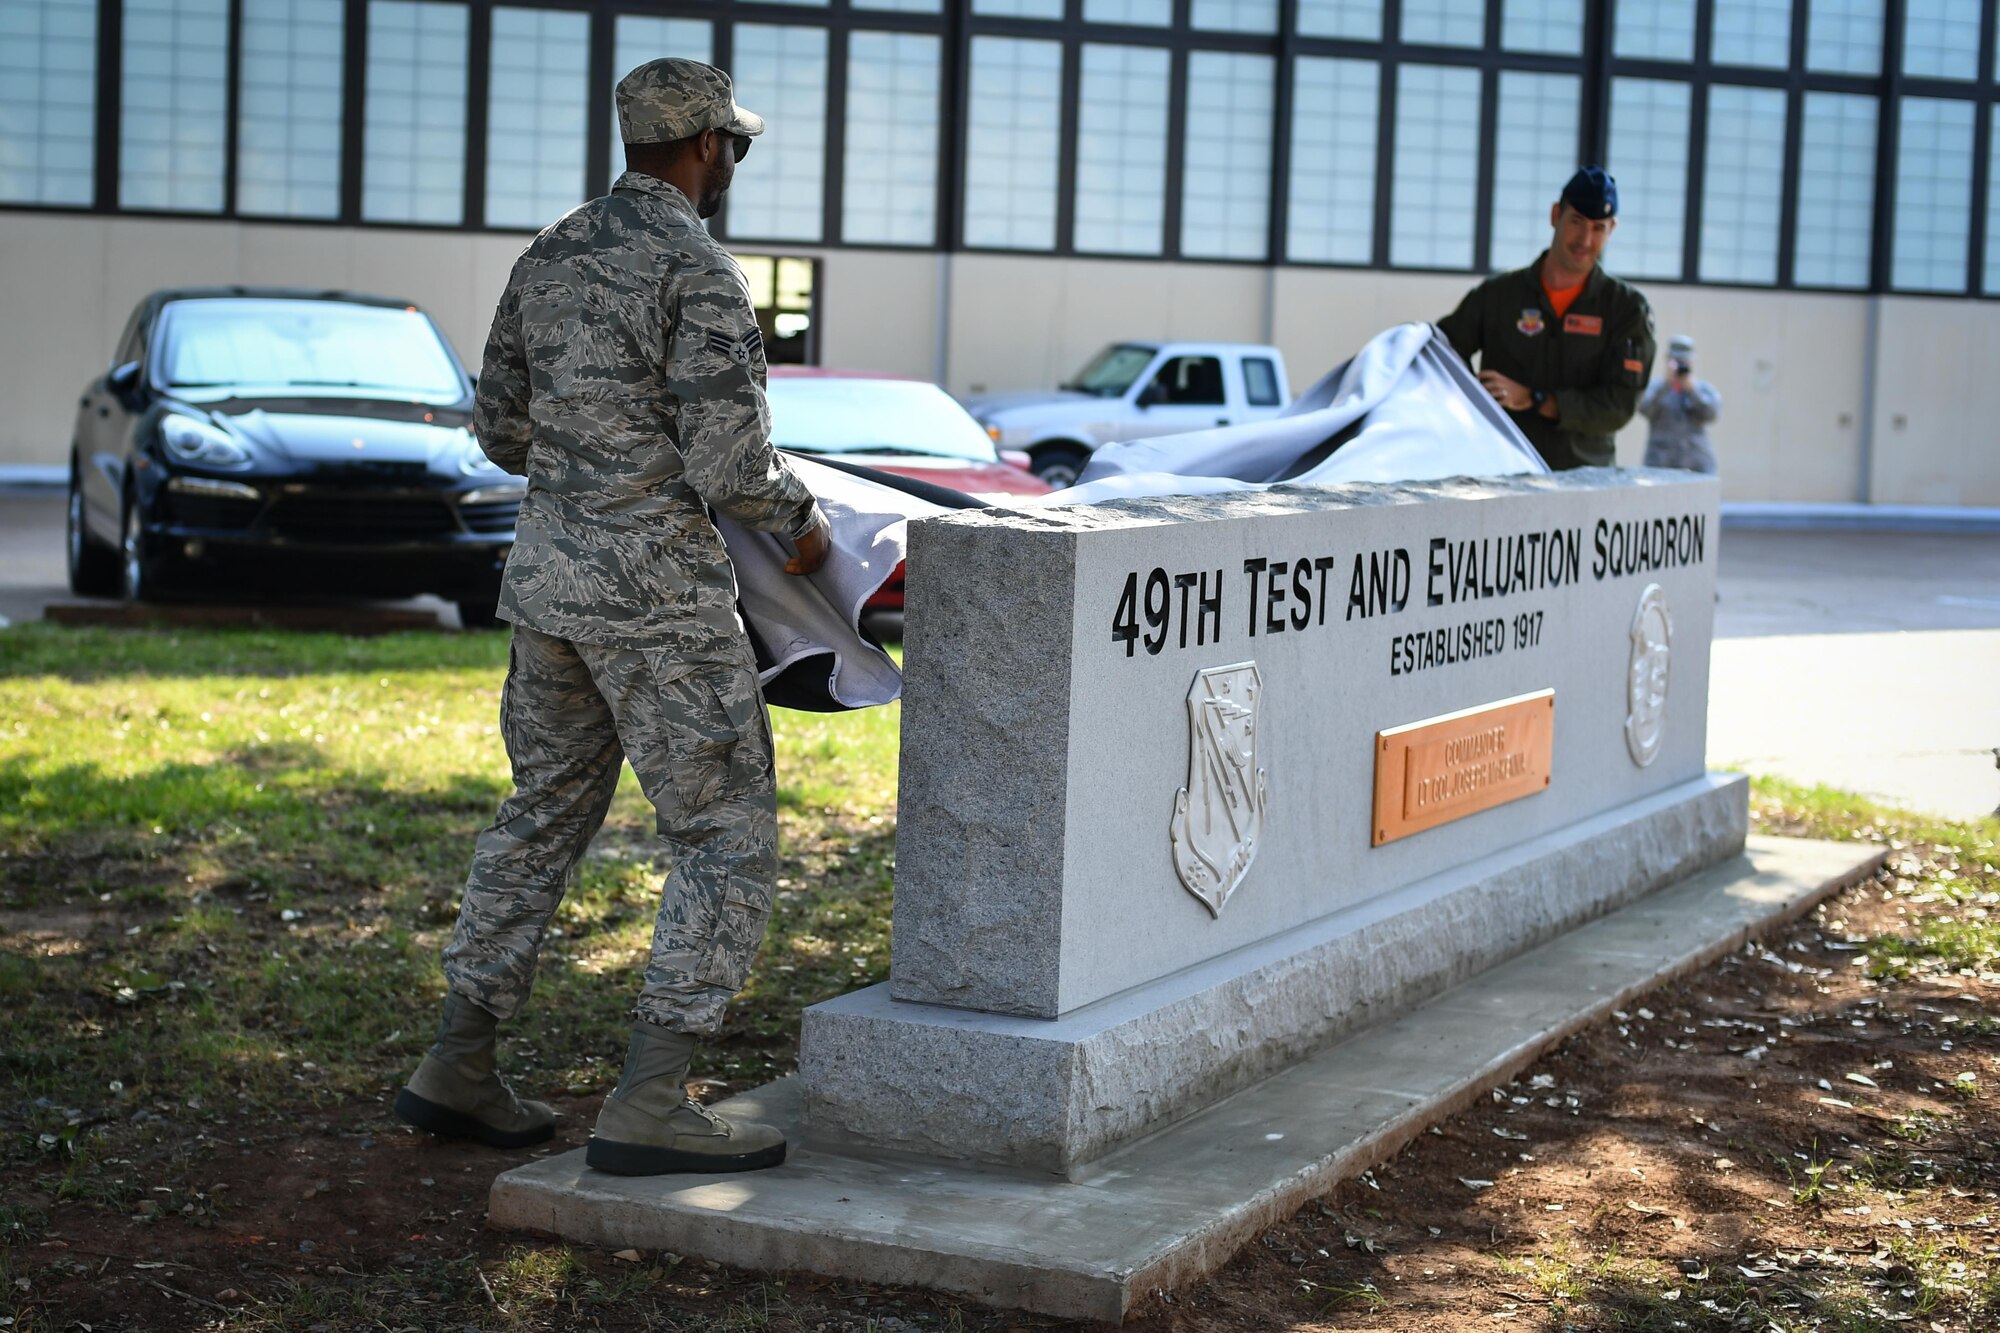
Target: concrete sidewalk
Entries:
(1865, 661)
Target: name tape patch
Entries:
(1589, 325)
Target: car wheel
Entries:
(479, 613)
(1060, 466)
(93, 566)
(139, 558)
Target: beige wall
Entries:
(1937, 404)
(1792, 367)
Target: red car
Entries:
(906, 426)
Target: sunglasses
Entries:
(738, 144)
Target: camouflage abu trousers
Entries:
(698, 737)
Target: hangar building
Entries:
(983, 192)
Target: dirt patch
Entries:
(1781, 1141)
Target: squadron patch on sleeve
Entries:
(743, 351)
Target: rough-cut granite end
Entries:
(988, 673)
(1053, 1096)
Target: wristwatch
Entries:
(1536, 397)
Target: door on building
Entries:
(784, 291)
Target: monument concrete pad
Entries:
(1174, 1205)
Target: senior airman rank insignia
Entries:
(1530, 322)
(742, 350)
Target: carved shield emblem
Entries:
(1218, 817)
(1646, 676)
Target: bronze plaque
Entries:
(1444, 768)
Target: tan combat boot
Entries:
(455, 1092)
(649, 1127)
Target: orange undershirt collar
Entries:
(1560, 298)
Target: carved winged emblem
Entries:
(1218, 817)
(1646, 676)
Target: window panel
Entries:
(901, 6)
(536, 104)
(1844, 36)
(1990, 279)
(1330, 209)
(1226, 167)
(1933, 221)
(1445, 22)
(1121, 150)
(1358, 19)
(1555, 26)
(1752, 32)
(1654, 30)
(413, 155)
(780, 72)
(172, 127)
(890, 182)
(1019, 9)
(1435, 167)
(1138, 13)
(1649, 156)
(1535, 152)
(1012, 135)
(1833, 243)
(288, 127)
(1941, 39)
(1234, 15)
(1742, 168)
(1260, 382)
(638, 38)
(48, 101)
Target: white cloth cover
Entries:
(1405, 408)
(811, 650)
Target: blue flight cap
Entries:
(1592, 193)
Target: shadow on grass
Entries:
(273, 813)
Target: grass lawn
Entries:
(228, 861)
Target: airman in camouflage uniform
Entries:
(624, 377)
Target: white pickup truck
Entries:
(1135, 391)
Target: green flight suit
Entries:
(1594, 360)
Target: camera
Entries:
(1679, 365)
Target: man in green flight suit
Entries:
(624, 378)
(1563, 346)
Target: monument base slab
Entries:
(1056, 1095)
(1171, 1207)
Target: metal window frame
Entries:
(955, 24)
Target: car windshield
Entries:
(267, 346)
(1112, 371)
(867, 416)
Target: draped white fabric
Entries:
(1405, 408)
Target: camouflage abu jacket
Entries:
(624, 378)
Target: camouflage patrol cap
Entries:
(665, 100)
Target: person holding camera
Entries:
(1678, 410)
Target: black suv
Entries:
(287, 441)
